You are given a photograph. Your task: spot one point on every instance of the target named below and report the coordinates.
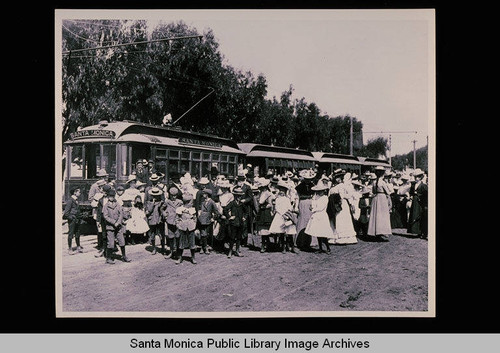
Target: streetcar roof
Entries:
(324, 157)
(130, 131)
(257, 150)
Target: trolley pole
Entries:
(414, 155)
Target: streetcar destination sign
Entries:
(92, 133)
(191, 141)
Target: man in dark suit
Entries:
(247, 205)
(206, 212)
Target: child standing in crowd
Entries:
(235, 213)
(282, 223)
(126, 203)
(72, 214)
(138, 223)
(113, 215)
(186, 225)
(207, 210)
(171, 205)
(155, 219)
(364, 206)
(224, 199)
(264, 216)
(319, 223)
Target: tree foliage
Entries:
(188, 79)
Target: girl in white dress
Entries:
(283, 222)
(319, 224)
(137, 223)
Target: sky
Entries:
(375, 65)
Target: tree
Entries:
(375, 148)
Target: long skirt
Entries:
(344, 232)
(380, 222)
(402, 211)
(304, 240)
(395, 216)
(417, 222)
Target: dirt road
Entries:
(368, 276)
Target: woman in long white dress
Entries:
(344, 227)
(318, 225)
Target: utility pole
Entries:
(351, 149)
(390, 137)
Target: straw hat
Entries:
(131, 177)
(154, 191)
(263, 182)
(238, 191)
(154, 177)
(307, 174)
(203, 181)
(418, 172)
(320, 186)
(282, 184)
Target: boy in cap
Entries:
(206, 212)
(112, 213)
(102, 239)
(169, 214)
(186, 224)
(153, 208)
(236, 218)
(72, 214)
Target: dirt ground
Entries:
(367, 276)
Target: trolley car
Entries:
(367, 164)
(275, 159)
(115, 147)
(328, 162)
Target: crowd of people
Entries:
(287, 212)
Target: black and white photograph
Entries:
(245, 163)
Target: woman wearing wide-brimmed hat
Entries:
(417, 222)
(343, 224)
(305, 193)
(380, 222)
(318, 225)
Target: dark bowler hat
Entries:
(207, 191)
(111, 192)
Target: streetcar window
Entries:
(232, 158)
(108, 159)
(224, 158)
(215, 157)
(206, 156)
(196, 156)
(173, 167)
(185, 155)
(205, 170)
(76, 165)
(124, 159)
(184, 166)
(161, 153)
(223, 168)
(231, 169)
(174, 154)
(196, 169)
(100, 157)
